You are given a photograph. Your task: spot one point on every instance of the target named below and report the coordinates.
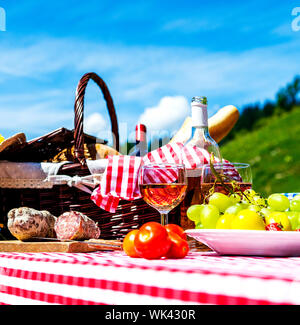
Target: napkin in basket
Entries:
(120, 179)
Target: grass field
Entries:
(273, 151)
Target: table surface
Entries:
(113, 278)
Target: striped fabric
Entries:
(290, 196)
(120, 179)
(112, 278)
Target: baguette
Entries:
(219, 125)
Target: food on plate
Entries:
(248, 219)
(219, 125)
(274, 227)
(209, 216)
(154, 241)
(295, 204)
(224, 222)
(278, 202)
(247, 210)
(220, 200)
(280, 218)
(26, 223)
(75, 225)
(294, 218)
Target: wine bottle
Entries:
(201, 138)
(141, 146)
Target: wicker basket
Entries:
(61, 198)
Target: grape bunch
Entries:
(248, 210)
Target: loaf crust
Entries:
(26, 223)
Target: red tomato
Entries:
(179, 247)
(171, 227)
(152, 241)
(128, 244)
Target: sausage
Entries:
(25, 223)
(75, 225)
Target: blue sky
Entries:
(153, 55)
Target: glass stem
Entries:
(164, 218)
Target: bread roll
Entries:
(219, 125)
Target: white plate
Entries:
(249, 242)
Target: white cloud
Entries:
(94, 124)
(137, 77)
(167, 115)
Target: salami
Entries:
(25, 223)
(76, 226)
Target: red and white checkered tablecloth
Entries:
(112, 278)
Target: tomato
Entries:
(128, 244)
(179, 247)
(152, 241)
(171, 227)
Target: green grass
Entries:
(273, 151)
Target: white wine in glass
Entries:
(163, 186)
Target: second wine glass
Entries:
(163, 186)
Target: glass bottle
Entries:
(141, 146)
(201, 138)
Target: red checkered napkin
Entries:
(120, 179)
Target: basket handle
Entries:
(79, 107)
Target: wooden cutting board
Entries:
(62, 247)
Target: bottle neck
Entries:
(200, 131)
(199, 115)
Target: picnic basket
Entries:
(61, 198)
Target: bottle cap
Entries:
(140, 132)
(199, 111)
(199, 99)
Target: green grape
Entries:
(250, 193)
(235, 198)
(254, 208)
(258, 200)
(194, 212)
(247, 219)
(199, 226)
(234, 209)
(297, 197)
(279, 217)
(293, 217)
(220, 200)
(278, 202)
(224, 222)
(295, 205)
(245, 204)
(265, 211)
(209, 216)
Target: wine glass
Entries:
(226, 178)
(163, 187)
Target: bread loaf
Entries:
(219, 125)
(91, 152)
(26, 223)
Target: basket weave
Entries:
(129, 214)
